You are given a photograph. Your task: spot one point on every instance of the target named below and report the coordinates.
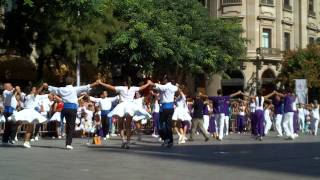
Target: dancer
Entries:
(287, 123)
(267, 118)
(29, 115)
(219, 103)
(241, 117)
(197, 120)
(167, 91)
(69, 95)
(181, 115)
(127, 108)
(105, 104)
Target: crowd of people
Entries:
(166, 105)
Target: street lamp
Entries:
(258, 67)
(77, 56)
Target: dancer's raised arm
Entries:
(108, 86)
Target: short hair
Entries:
(219, 91)
(69, 80)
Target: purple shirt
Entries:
(277, 106)
(219, 103)
(205, 110)
(288, 103)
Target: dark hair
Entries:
(219, 91)
(128, 81)
(69, 80)
(259, 94)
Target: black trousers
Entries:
(10, 129)
(105, 124)
(165, 131)
(70, 115)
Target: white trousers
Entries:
(278, 124)
(267, 125)
(288, 124)
(315, 124)
(206, 120)
(226, 124)
(221, 120)
(302, 120)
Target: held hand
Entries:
(45, 85)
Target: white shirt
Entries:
(259, 107)
(9, 99)
(104, 103)
(156, 107)
(301, 112)
(30, 101)
(69, 94)
(315, 112)
(252, 107)
(182, 102)
(125, 93)
(241, 111)
(167, 92)
(45, 102)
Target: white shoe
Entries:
(295, 135)
(59, 137)
(183, 141)
(155, 136)
(69, 147)
(16, 138)
(36, 138)
(160, 140)
(279, 135)
(26, 145)
(114, 135)
(107, 136)
(32, 139)
(53, 137)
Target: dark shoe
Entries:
(207, 139)
(169, 145)
(190, 139)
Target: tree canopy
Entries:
(138, 36)
(301, 64)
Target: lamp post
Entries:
(77, 56)
(258, 67)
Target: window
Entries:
(286, 38)
(311, 40)
(266, 2)
(266, 38)
(311, 8)
(231, 2)
(204, 2)
(287, 5)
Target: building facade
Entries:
(272, 27)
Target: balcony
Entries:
(312, 14)
(231, 2)
(269, 52)
(266, 3)
(287, 7)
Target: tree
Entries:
(160, 36)
(301, 64)
(61, 30)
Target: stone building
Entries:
(272, 27)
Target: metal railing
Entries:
(231, 2)
(270, 51)
(267, 2)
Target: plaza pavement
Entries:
(238, 157)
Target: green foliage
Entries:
(302, 64)
(166, 35)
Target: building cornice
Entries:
(266, 18)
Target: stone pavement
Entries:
(237, 157)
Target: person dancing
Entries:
(127, 108)
(69, 95)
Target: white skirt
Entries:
(130, 108)
(28, 115)
(181, 113)
(2, 118)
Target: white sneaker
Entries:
(155, 136)
(26, 145)
(104, 139)
(160, 140)
(53, 137)
(16, 138)
(69, 147)
(114, 135)
(107, 136)
(295, 135)
(59, 137)
(36, 138)
(32, 139)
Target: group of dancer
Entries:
(166, 104)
